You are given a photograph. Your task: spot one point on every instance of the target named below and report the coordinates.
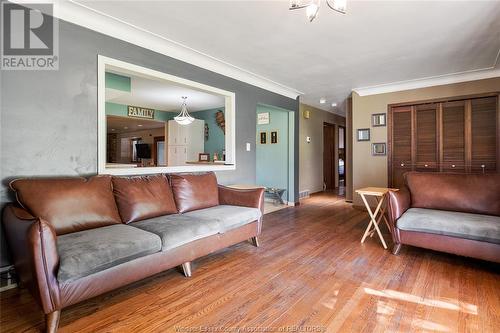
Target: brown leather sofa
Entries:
(454, 213)
(76, 238)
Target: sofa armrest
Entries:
(33, 244)
(399, 202)
(253, 197)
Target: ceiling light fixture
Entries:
(139, 125)
(312, 10)
(312, 6)
(322, 100)
(183, 118)
(334, 104)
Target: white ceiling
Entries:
(116, 124)
(375, 43)
(163, 95)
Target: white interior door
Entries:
(160, 151)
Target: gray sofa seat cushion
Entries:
(177, 230)
(86, 252)
(180, 229)
(484, 228)
(229, 217)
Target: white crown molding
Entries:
(84, 16)
(439, 80)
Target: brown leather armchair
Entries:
(453, 213)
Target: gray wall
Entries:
(49, 118)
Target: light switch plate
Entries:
(248, 146)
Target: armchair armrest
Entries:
(399, 202)
(33, 245)
(243, 197)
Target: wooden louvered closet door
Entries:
(426, 138)
(401, 144)
(453, 137)
(484, 135)
(460, 135)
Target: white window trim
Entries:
(104, 63)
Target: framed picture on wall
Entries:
(363, 134)
(203, 157)
(263, 138)
(263, 118)
(274, 137)
(378, 119)
(379, 149)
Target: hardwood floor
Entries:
(311, 272)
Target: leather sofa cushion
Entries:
(177, 230)
(180, 229)
(455, 224)
(86, 252)
(455, 192)
(139, 198)
(69, 204)
(229, 217)
(194, 191)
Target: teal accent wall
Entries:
(273, 160)
(115, 109)
(216, 139)
(118, 82)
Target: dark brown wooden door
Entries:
(483, 135)
(329, 156)
(401, 144)
(426, 137)
(453, 137)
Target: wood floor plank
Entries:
(311, 272)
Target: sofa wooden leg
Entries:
(186, 268)
(52, 321)
(255, 241)
(396, 248)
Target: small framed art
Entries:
(378, 119)
(364, 134)
(379, 149)
(203, 157)
(263, 138)
(274, 137)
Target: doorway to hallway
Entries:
(275, 154)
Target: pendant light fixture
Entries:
(312, 6)
(183, 118)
